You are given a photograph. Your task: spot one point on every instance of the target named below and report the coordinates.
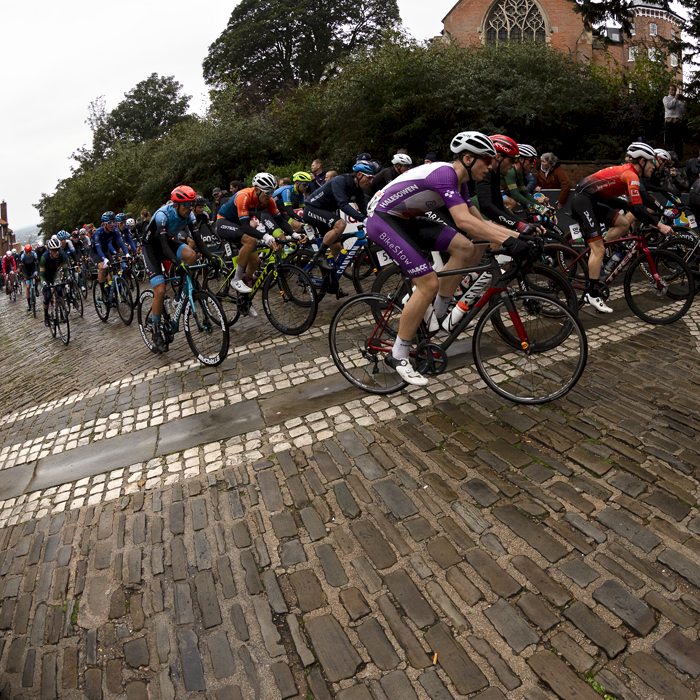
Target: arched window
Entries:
(653, 29)
(515, 20)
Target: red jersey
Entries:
(8, 264)
(617, 181)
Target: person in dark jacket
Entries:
(692, 170)
(400, 163)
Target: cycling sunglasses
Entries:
(487, 159)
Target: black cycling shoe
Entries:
(340, 294)
(158, 342)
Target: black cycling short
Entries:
(153, 257)
(590, 213)
(230, 231)
(323, 220)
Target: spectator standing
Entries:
(692, 170)
(236, 186)
(430, 157)
(551, 176)
(674, 179)
(145, 220)
(694, 199)
(331, 174)
(674, 107)
(318, 172)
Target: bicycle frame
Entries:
(186, 295)
(338, 270)
(640, 245)
(497, 288)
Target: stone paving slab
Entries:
(336, 553)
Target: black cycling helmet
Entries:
(200, 201)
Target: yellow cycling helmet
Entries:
(302, 176)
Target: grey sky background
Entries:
(58, 57)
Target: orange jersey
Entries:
(617, 181)
(247, 205)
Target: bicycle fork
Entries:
(517, 323)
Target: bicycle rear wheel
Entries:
(289, 299)
(360, 336)
(366, 266)
(538, 371)
(125, 303)
(62, 321)
(76, 299)
(664, 301)
(564, 259)
(206, 329)
(101, 305)
(32, 299)
(687, 248)
(145, 319)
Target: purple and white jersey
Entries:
(422, 189)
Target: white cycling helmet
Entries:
(83, 232)
(641, 150)
(53, 243)
(401, 159)
(266, 182)
(663, 154)
(473, 142)
(527, 151)
(130, 222)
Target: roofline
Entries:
(450, 11)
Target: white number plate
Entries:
(691, 221)
(384, 258)
(575, 231)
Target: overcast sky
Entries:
(58, 57)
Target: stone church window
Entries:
(514, 20)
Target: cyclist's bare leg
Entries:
(596, 259)
(252, 266)
(158, 297)
(333, 235)
(463, 253)
(297, 226)
(188, 256)
(246, 255)
(426, 288)
(619, 229)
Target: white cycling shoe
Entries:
(597, 303)
(241, 286)
(405, 370)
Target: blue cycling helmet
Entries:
(107, 216)
(120, 217)
(364, 167)
(62, 235)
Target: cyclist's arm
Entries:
(489, 208)
(283, 224)
(288, 209)
(468, 220)
(120, 241)
(199, 242)
(98, 247)
(42, 270)
(341, 198)
(517, 191)
(129, 239)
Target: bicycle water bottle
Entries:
(468, 280)
(341, 257)
(451, 322)
(612, 263)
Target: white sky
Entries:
(58, 57)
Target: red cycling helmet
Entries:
(28, 248)
(505, 144)
(183, 193)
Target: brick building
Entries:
(554, 21)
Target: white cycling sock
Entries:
(440, 305)
(401, 348)
(240, 270)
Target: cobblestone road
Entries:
(262, 531)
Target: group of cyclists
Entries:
(408, 211)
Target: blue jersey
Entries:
(29, 261)
(126, 237)
(288, 196)
(103, 238)
(167, 218)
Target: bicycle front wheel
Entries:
(62, 322)
(32, 299)
(360, 336)
(125, 303)
(663, 301)
(289, 299)
(205, 328)
(538, 370)
(76, 299)
(101, 305)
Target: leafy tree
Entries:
(148, 110)
(272, 45)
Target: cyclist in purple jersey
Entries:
(397, 221)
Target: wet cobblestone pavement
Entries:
(261, 530)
